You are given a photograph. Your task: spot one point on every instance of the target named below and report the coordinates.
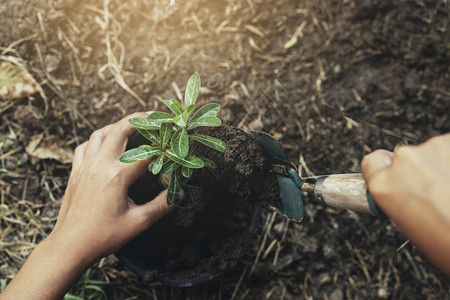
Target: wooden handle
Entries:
(348, 191)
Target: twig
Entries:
(269, 226)
(19, 41)
(115, 69)
(41, 24)
(238, 284)
(25, 186)
(413, 264)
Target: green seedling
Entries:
(172, 143)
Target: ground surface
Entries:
(332, 80)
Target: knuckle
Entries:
(365, 162)
(140, 220)
(143, 221)
(115, 176)
(379, 185)
(438, 141)
(370, 158)
(404, 152)
(96, 135)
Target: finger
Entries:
(375, 162)
(134, 170)
(78, 157)
(116, 139)
(154, 210)
(96, 141)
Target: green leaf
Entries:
(210, 141)
(159, 117)
(72, 297)
(165, 133)
(3, 283)
(169, 167)
(141, 153)
(190, 161)
(192, 90)
(97, 289)
(101, 263)
(208, 163)
(141, 123)
(187, 172)
(180, 142)
(207, 110)
(150, 135)
(206, 121)
(180, 121)
(193, 148)
(174, 105)
(156, 165)
(173, 190)
(189, 109)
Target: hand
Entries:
(412, 186)
(96, 211)
(96, 217)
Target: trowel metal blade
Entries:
(290, 204)
(272, 146)
(291, 200)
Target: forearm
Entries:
(49, 272)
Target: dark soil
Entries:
(360, 75)
(244, 169)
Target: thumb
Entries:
(375, 162)
(154, 210)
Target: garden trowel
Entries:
(348, 191)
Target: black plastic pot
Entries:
(143, 255)
(142, 271)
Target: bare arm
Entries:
(412, 186)
(96, 217)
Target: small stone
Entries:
(337, 69)
(382, 293)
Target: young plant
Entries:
(172, 143)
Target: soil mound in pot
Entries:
(212, 227)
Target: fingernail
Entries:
(149, 112)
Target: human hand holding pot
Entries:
(96, 217)
(96, 209)
(412, 186)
